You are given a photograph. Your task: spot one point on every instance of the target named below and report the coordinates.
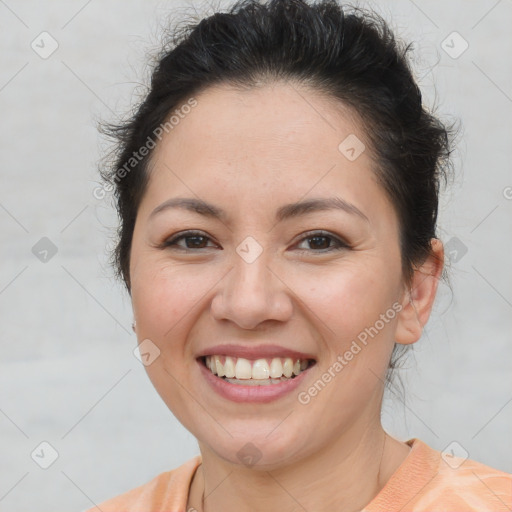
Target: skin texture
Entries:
(250, 153)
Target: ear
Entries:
(417, 302)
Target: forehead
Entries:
(281, 120)
(277, 141)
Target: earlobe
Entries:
(418, 300)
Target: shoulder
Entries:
(466, 484)
(169, 489)
(432, 481)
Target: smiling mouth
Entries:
(258, 372)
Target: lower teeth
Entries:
(256, 382)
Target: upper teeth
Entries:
(240, 368)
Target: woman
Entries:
(278, 195)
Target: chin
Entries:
(257, 450)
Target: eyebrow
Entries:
(283, 213)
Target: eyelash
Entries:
(339, 244)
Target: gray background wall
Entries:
(67, 372)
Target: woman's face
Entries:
(295, 255)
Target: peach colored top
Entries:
(424, 482)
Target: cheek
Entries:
(163, 296)
(346, 300)
(347, 305)
(165, 300)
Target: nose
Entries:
(252, 293)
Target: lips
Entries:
(254, 373)
(251, 390)
(255, 363)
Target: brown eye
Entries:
(188, 240)
(322, 242)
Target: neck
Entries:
(350, 472)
